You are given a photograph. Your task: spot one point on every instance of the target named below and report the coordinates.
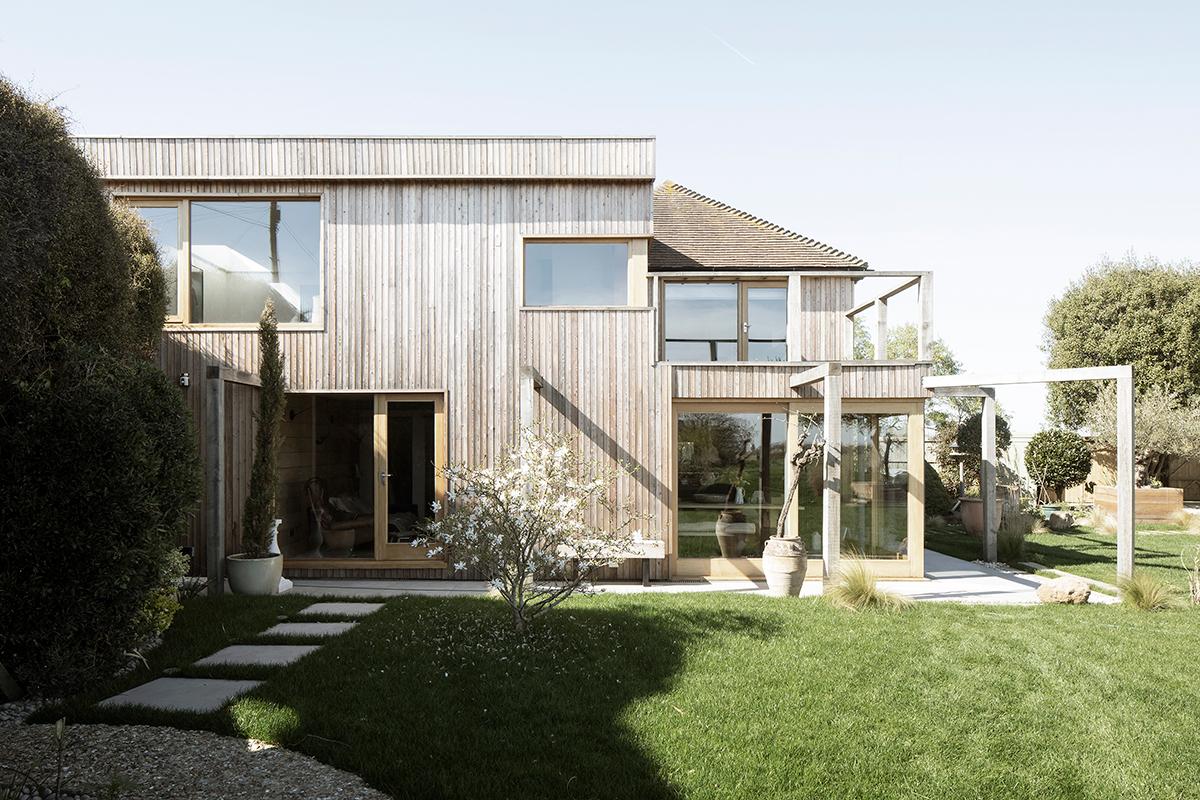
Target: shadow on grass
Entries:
(438, 697)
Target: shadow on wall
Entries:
(465, 709)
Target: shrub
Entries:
(97, 456)
(98, 478)
(1146, 593)
(1010, 544)
(527, 523)
(938, 501)
(1058, 459)
(259, 512)
(854, 588)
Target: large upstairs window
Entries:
(579, 273)
(725, 321)
(238, 255)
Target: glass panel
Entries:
(766, 310)
(875, 485)
(164, 227)
(244, 253)
(700, 321)
(576, 273)
(410, 457)
(327, 477)
(730, 482)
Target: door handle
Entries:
(383, 476)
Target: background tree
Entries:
(968, 443)
(1132, 311)
(1058, 459)
(1163, 426)
(98, 460)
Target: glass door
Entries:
(410, 451)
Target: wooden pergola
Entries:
(983, 386)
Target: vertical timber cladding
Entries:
(601, 387)
(421, 293)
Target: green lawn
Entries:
(725, 696)
(1093, 554)
(1087, 552)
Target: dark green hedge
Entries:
(98, 464)
(938, 501)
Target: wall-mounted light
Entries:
(185, 380)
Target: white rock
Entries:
(1071, 591)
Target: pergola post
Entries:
(831, 509)
(987, 475)
(881, 328)
(1126, 514)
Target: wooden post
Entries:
(831, 510)
(214, 435)
(924, 333)
(987, 475)
(1126, 512)
(881, 328)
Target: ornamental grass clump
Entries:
(538, 525)
(855, 588)
(1146, 593)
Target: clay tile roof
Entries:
(693, 232)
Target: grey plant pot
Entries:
(785, 563)
(254, 576)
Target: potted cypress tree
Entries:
(255, 570)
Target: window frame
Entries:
(182, 321)
(636, 270)
(743, 313)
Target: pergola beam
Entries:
(970, 384)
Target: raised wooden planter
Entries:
(1150, 505)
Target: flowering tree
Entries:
(526, 523)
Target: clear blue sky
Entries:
(1005, 146)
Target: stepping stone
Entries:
(342, 609)
(308, 629)
(274, 655)
(182, 694)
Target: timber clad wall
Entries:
(422, 251)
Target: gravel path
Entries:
(155, 763)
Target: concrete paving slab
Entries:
(308, 629)
(200, 695)
(341, 609)
(274, 655)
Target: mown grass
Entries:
(1092, 554)
(725, 696)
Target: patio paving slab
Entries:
(275, 655)
(308, 629)
(200, 695)
(341, 609)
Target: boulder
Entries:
(1060, 521)
(1071, 591)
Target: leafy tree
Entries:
(968, 441)
(1164, 425)
(1058, 459)
(259, 512)
(1132, 311)
(98, 460)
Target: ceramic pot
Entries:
(254, 576)
(785, 563)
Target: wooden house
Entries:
(437, 293)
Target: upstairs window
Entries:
(576, 273)
(724, 321)
(239, 254)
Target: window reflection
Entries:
(700, 321)
(576, 273)
(766, 312)
(246, 252)
(164, 228)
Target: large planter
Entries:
(785, 563)
(734, 533)
(254, 576)
(1149, 505)
(971, 509)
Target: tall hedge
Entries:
(98, 463)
